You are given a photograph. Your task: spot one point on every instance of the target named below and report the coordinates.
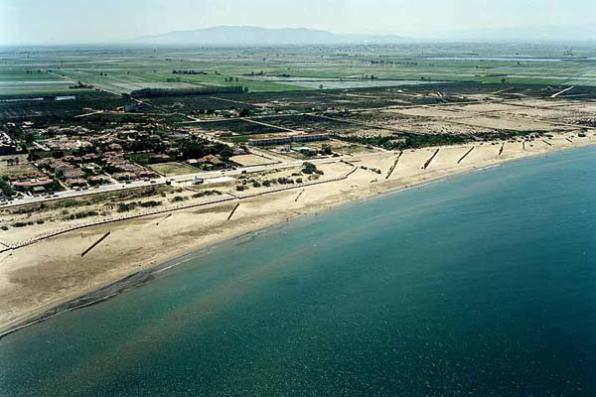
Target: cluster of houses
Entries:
(67, 172)
(13, 156)
(76, 157)
(208, 162)
(68, 146)
(73, 161)
(123, 170)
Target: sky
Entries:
(109, 21)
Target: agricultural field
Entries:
(44, 71)
(75, 103)
(27, 81)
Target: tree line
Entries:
(164, 92)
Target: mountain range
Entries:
(248, 35)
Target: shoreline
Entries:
(175, 258)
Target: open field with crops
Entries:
(45, 71)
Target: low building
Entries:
(284, 140)
(72, 173)
(124, 176)
(158, 158)
(310, 138)
(210, 161)
(146, 174)
(69, 146)
(76, 182)
(97, 180)
(33, 185)
(115, 147)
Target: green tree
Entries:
(6, 188)
(309, 168)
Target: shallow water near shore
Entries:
(483, 284)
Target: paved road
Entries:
(180, 179)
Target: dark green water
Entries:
(481, 285)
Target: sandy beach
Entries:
(38, 278)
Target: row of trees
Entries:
(410, 141)
(164, 92)
(194, 149)
(189, 72)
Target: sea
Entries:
(477, 285)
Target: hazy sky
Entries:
(102, 21)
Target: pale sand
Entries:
(43, 275)
(251, 160)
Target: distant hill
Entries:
(247, 35)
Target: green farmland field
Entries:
(51, 70)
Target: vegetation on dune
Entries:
(125, 207)
(81, 215)
(411, 141)
(310, 168)
(206, 193)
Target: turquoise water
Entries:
(481, 285)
